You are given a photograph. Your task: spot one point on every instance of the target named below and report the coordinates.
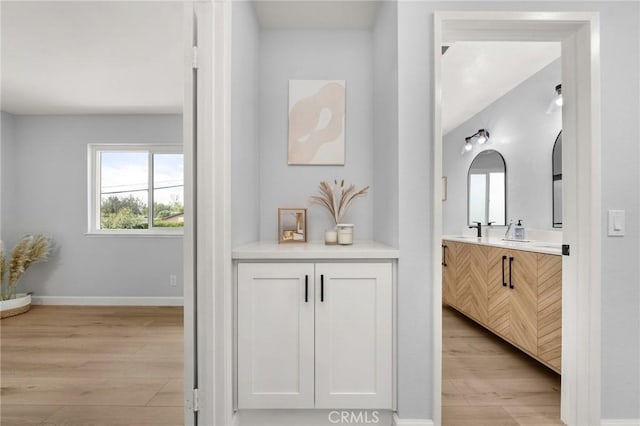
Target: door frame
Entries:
(579, 33)
(207, 240)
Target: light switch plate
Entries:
(616, 223)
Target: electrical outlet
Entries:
(173, 281)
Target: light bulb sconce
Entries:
(558, 98)
(481, 137)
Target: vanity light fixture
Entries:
(482, 136)
(558, 98)
(467, 144)
(556, 102)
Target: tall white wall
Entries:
(48, 194)
(7, 190)
(245, 147)
(620, 46)
(385, 124)
(315, 55)
(523, 132)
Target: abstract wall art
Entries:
(316, 122)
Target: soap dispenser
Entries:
(519, 231)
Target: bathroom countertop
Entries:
(314, 250)
(534, 246)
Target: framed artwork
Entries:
(316, 122)
(292, 225)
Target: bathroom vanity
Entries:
(315, 326)
(513, 289)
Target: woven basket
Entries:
(19, 305)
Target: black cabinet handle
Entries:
(306, 289)
(444, 255)
(510, 270)
(504, 283)
(322, 288)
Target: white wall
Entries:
(245, 147)
(7, 144)
(385, 127)
(49, 180)
(523, 132)
(315, 55)
(621, 190)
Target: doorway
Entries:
(578, 34)
(94, 92)
(494, 333)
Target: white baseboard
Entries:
(106, 301)
(315, 417)
(411, 422)
(620, 422)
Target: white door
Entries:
(275, 335)
(354, 335)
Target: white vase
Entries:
(19, 305)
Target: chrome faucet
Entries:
(478, 226)
(507, 234)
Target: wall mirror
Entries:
(557, 181)
(487, 189)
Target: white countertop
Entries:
(534, 246)
(314, 250)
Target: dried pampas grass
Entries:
(336, 199)
(29, 250)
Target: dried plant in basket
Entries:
(29, 250)
(336, 198)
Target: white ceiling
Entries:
(127, 57)
(92, 57)
(476, 74)
(316, 15)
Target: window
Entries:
(136, 189)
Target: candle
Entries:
(331, 237)
(345, 234)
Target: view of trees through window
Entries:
(126, 186)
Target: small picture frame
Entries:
(292, 225)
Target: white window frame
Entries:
(94, 192)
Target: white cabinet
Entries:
(345, 310)
(275, 335)
(353, 335)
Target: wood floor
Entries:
(123, 366)
(486, 381)
(92, 366)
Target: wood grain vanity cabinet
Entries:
(550, 310)
(513, 296)
(315, 335)
(471, 281)
(515, 293)
(449, 266)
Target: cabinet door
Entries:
(499, 296)
(449, 273)
(550, 309)
(275, 335)
(471, 273)
(354, 335)
(523, 324)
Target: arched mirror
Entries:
(557, 182)
(487, 189)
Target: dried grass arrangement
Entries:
(336, 198)
(29, 250)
